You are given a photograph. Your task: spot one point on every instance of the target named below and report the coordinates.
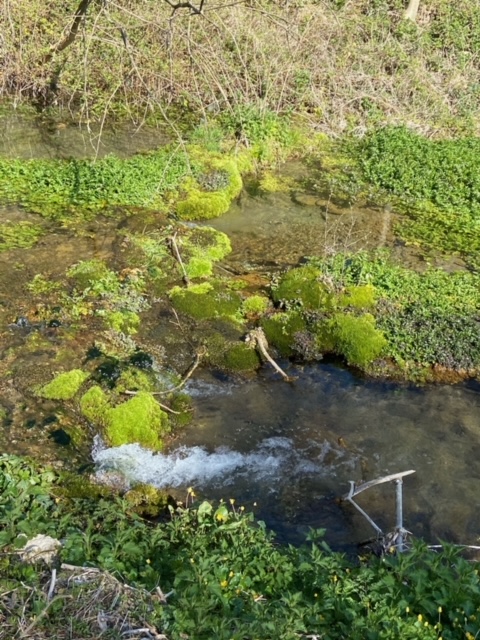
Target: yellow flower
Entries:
(419, 617)
(439, 609)
(231, 574)
(232, 501)
(224, 583)
(148, 560)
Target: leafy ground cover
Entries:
(224, 575)
(370, 310)
(437, 183)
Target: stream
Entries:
(284, 450)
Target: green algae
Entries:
(64, 386)
(20, 235)
(139, 419)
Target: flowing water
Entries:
(286, 450)
(292, 449)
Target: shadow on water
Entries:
(292, 449)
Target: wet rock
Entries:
(305, 199)
(61, 437)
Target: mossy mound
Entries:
(207, 301)
(361, 297)
(357, 338)
(231, 355)
(64, 386)
(280, 330)
(217, 183)
(255, 305)
(201, 247)
(140, 419)
(302, 287)
(93, 404)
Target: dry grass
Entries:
(87, 603)
(341, 69)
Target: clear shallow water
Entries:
(292, 449)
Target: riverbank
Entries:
(205, 571)
(342, 67)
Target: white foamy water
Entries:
(271, 460)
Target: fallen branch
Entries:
(198, 356)
(174, 247)
(256, 339)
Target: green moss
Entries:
(202, 206)
(140, 419)
(271, 183)
(94, 404)
(20, 235)
(182, 403)
(302, 287)
(134, 380)
(218, 182)
(202, 247)
(147, 501)
(281, 328)
(240, 357)
(255, 305)
(64, 386)
(231, 355)
(123, 321)
(75, 487)
(357, 338)
(206, 301)
(360, 297)
(92, 273)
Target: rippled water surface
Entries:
(293, 448)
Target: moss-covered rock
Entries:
(200, 248)
(93, 404)
(147, 500)
(255, 305)
(64, 386)
(208, 196)
(207, 301)
(302, 287)
(280, 330)
(357, 297)
(357, 338)
(140, 419)
(230, 355)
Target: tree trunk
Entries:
(412, 10)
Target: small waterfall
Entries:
(271, 461)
